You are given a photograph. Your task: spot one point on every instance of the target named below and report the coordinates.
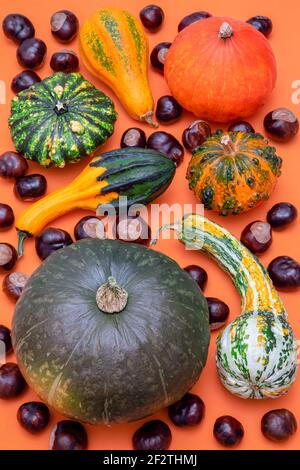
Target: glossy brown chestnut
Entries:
(8, 256)
(152, 17)
(89, 227)
(64, 61)
(133, 137)
(51, 240)
(7, 217)
(12, 165)
(195, 134)
(218, 313)
(64, 25)
(198, 274)
(168, 110)
(228, 431)
(281, 124)
(17, 27)
(263, 24)
(278, 425)
(132, 229)
(153, 435)
(30, 187)
(24, 80)
(33, 416)
(31, 53)
(13, 285)
(285, 273)
(189, 411)
(12, 383)
(159, 54)
(5, 337)
(166, 143)
(192, 18)
(257, 236)
(68, 435)
(241, 126)
(282, 214)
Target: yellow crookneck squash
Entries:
(114, 48)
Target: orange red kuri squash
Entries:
(221, 69)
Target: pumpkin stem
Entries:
(148, 118)
(110, 297)
(225, 30)
(228, 144)
(21, 238)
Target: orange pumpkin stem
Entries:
(225, 30)
(228, 144)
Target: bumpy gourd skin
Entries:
(61, 119)
(232, 172)
(256, 353)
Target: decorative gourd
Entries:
(114, 48)
(257, 352)
(139, 174)
(61, 119)
(92, 345)
(220, 69)
(233, 172)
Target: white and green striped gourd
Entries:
(256, 352)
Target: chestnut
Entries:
(153, 435)
(133, 137)
(195, 134)
(64, 61)
(192, 18)
(13, 285)
(31, 53)
(12, 383)
(241, 126)
(24, 80)
(8, 256)
(263, 24)
(68, 435)
(285, 273)
(198, 274)
(30, 187)
(189, 411)
(167, 144)
(5, 338)
(12, 165)
(159, 54)
(168, 110)
(33, 416)
(282, 214)
(17, 27)
(278, 425)
(281, 124)
(7, 217)
(51, 240)
(228, 431)
(89, 227)
(218, 313)
(132, 229)
(152, 17)
(64, 25)
(257, 236)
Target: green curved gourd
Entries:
(107, 331)
(61, 119)
(256, 353)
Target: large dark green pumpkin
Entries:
(110, 367)
(61, 119)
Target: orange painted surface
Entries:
(285, 43)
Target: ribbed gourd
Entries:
(140, 175)
(256, 352)
(61, 119)
(232, 172)
(114, 48)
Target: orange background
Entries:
(285, 42)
